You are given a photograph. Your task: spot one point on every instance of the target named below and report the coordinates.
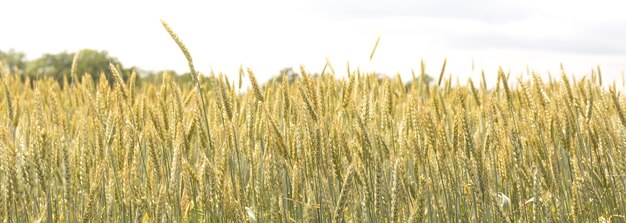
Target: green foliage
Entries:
(156, 77)
(291, 75)
(13, 60)
(90, 62)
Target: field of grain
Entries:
(317, 149)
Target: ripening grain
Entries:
(319, 149)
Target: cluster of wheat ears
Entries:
(320, 149)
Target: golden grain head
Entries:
(316, 149)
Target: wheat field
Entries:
(316, 149)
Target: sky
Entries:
(266, 36)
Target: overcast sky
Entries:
(269, 35)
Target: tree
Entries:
(14, 61)
(54, 65)
(156, 77)
(90, 62)
(94, 62)
(290, 74)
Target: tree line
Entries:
(90, 62)
(95, 63)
